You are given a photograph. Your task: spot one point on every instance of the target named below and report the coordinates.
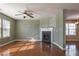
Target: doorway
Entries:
(72, 32)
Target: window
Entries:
(6, 28)
(70, 29)
(0, 27)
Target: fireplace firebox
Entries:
(46, 36)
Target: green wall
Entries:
(5, 40)
(27, 29)
(50, 22)
(31, 28)
(57, 21)
(59, 30)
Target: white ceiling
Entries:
(41, 10)
(71, 14)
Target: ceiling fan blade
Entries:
(29, 11)
(24, 17)
(30, 16)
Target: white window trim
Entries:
(2, 36)
(68, 29)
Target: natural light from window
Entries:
(70, 29)
(6, 28)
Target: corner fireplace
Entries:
(46, 35)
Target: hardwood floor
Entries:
(72, 49)
(21, 48)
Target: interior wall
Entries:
(31, 28)
(27, 29)
(49, 23)
(59, 30)
(56, 22)
(72, 37)
(12, 22)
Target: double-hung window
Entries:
(70, 29)
(4, 28)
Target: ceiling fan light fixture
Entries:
(24, 17)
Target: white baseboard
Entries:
(27, 39)
(59, 46)
(30, 40)
(7, 43)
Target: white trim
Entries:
(28, 39)
(59, 46)
(31, 39)
(46, 29)
(7, 43)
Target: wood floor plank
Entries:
(72, 48)
(20, 48)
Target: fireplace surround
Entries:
(46, 34)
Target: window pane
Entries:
(72, 32)
(6, 32)
(66, 32)
(70, 29)
(71, 26)
(6, 28)
(0, 27)
(6, 24)
(66, 29)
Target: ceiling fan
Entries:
(26, 13)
